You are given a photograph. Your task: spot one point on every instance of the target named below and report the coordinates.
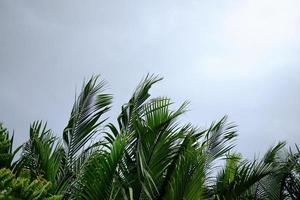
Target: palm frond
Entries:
(42, 154)
(135, 103)
(241, 178)
(90, 105)
(97, 176)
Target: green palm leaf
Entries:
(42, 155)
(90, 105)
(98, 174)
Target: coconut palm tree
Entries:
(284, 182)
(148, 154)
(45, 156)
(152, 156)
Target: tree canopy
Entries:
(146, 154)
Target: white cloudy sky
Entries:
(239, 58)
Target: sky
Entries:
(237, 58)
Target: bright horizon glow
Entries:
(256, 31)
(262, 25)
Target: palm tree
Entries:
(45, 156)
(151, 155)
(284, 182)
(243, 179)
(148, 154)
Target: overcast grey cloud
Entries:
(239, 58)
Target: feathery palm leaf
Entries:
(90, 105)
(244, 179)
(42, 154)
(97, 176)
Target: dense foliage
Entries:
(147, 154)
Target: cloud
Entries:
(239, 58)
(261, 25)
(254, 38)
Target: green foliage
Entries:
(90, 105)
(5, 147)
(147, 155)
(23, 188)
(6, 153)
(42, 155)
(284, 182)
(98, 175)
